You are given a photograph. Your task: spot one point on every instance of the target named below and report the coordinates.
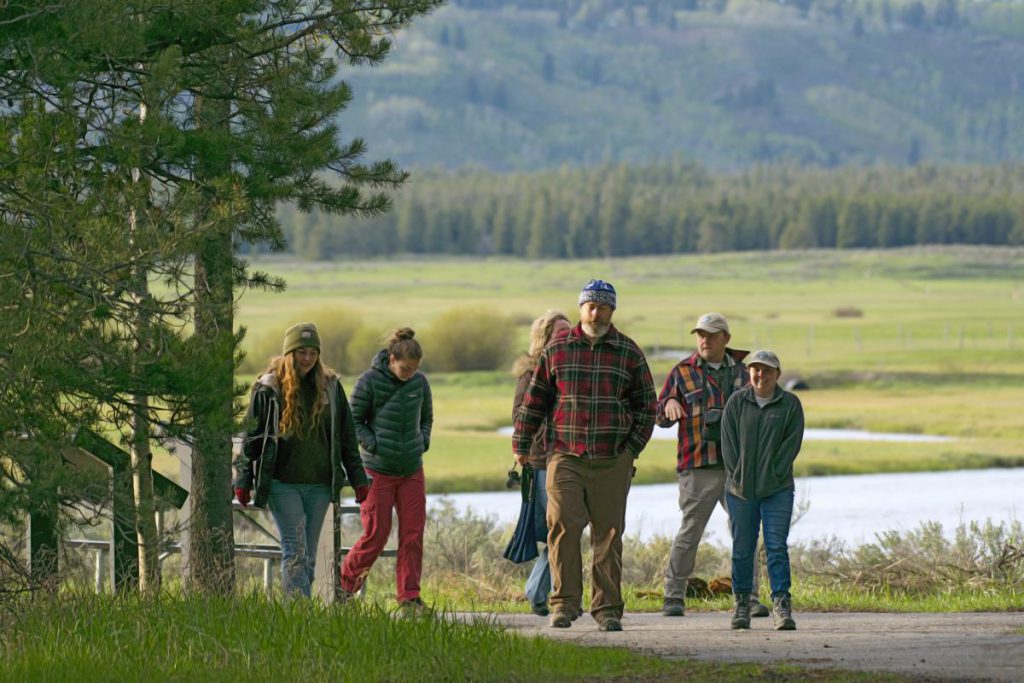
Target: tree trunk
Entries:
(142, 456)
(211, 533)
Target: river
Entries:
(851, 508)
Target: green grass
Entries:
(459, 462)
(807, 596)
(937, 349)
(97, 638)
(915, 303)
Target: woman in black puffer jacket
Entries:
(393, 414)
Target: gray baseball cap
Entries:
(711, 322)
(763, 357)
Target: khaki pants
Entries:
(584, 492)
(700, 490)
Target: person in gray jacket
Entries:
(762, 430)
(393, 414)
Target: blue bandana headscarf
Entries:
(599, 291)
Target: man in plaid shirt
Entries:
(694, 395)
(594, 383)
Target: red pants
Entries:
(407, 495)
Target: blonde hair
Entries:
(540, 334)
(294, 419)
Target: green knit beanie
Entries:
(299, 336)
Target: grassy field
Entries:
(88, 638)
(925, 340)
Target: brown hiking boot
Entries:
(782, 613)
(609, 624)
(561, 618)
(741, 615)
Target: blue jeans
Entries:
(746, 517)
(538, 585)
(299, 511)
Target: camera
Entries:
(712, 429)
(513, 480)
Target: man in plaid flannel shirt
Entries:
(595, 384)
(694, 395)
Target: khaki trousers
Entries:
(584, 492)
(700, 490)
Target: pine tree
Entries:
(241, 100)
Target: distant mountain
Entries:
(525, 84)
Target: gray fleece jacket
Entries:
(759, 444)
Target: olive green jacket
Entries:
(759, 444)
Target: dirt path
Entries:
(968, 646)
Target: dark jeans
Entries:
(747, 517)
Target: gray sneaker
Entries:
(782, 614)
(741, 616)
(674, 607)
(756, 608)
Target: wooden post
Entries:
(327, 578)
(41, 536)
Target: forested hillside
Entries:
(678, 207)
(530, 84)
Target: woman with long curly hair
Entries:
(543, 330)
(299, 450)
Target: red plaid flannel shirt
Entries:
(601, 399)
(685, 383)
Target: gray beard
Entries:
(595, 331)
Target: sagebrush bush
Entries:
(921, 560)
(338, 326)
(468, 338)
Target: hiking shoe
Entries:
(674, 607)
(757, 609)
(741, 615)
(414, 608)
(782, 614)
(609, 624)
(560, 619)
(540, 609)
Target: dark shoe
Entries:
(540, 609)
(609, 624)
(782, 614)
(673, 607)
(414, 608)
(741, 615)
(756, 608)
(579, 613)
(560, 619)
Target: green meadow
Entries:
(93, 638)
(921, 340)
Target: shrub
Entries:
(337, 325)
(470, 338)
(848, 312)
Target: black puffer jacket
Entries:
(255, 464)
(393, 419)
